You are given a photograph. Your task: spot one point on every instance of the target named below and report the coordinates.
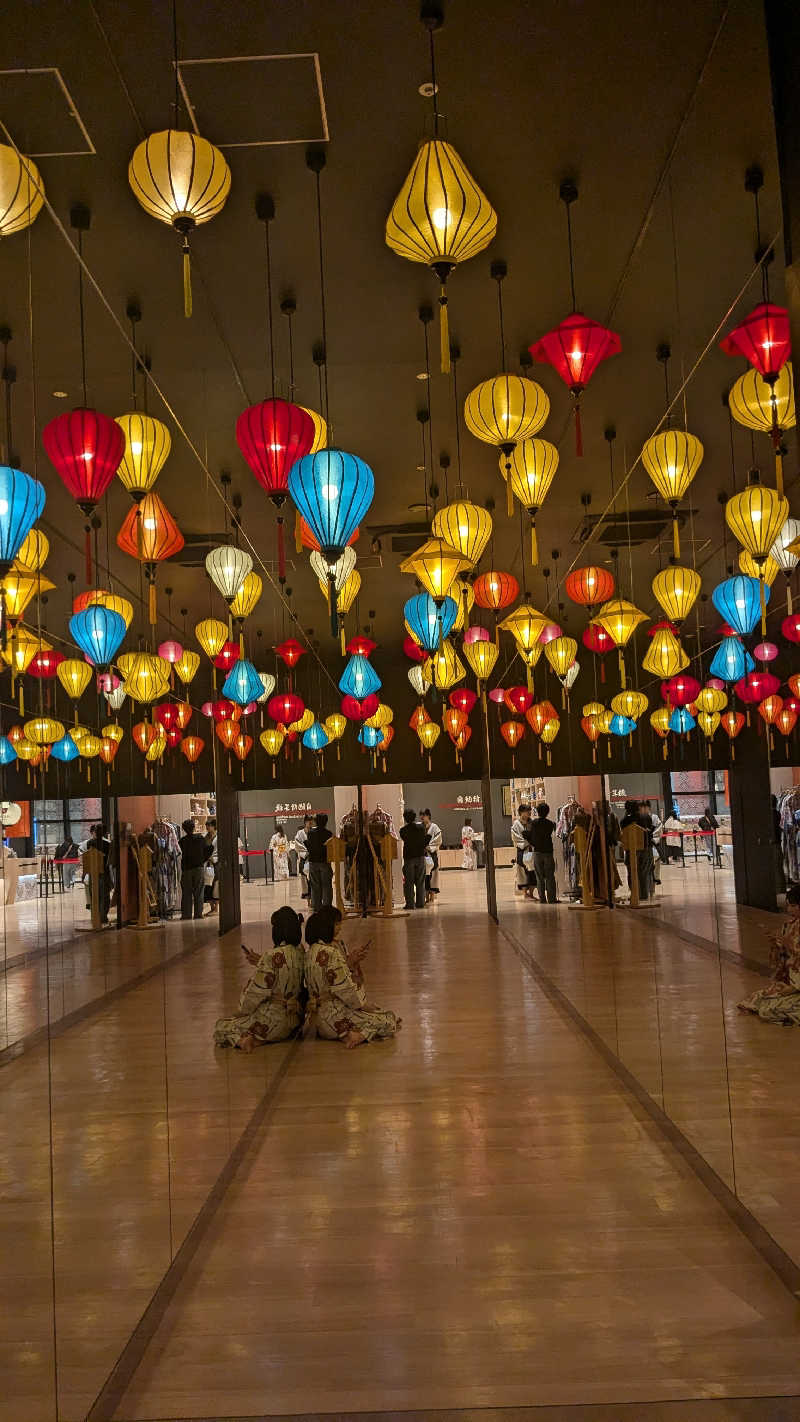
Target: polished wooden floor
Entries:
(475, 1216)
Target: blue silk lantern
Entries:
(370, 737)
(316, 738)
(21, 502)
(243, 684)
(622, 725)
(738, 601)
(99, 632)
(430, 621)
(65, 749)
(332, 491)
(731, 661)
(681, 720)
(7, 752)
(359, 678)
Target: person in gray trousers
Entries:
(320, 873)
(415, 839)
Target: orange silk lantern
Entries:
(150, 533)
(495, 590)
(144, 733)
(537, 716)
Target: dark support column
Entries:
(712, 792)
(752, 829)
(228, 856)
(666, 793)
(109, 817)
(783, 38)
(488, 818)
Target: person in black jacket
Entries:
(544, 864)
(194, 853)
(415, 839)
(320, 873)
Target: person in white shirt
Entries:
(302, 854)
(468, 860)
(434, 845)
(521, 830)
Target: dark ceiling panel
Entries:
(256, 100)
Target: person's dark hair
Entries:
(321, 820)
(100, 831)
(188, 826)
(287, 926)
(308, 819)
(793, 896)
(523, 808)
(646, 805)
(322, 925)
(428, 813)
(409, 816)
(708, 810)
(630, 807)
(467, 820)
(279, 829)
(211, 823)
(543, 810)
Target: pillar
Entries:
(488, 816)
(230, 915)
(752, 829)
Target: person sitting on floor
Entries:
(779, 1001)
(337, 1002)
(271, 1004)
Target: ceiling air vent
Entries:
(616, 530)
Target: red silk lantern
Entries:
(589, 586)
(173, 735)
(272, 437)
(166, 713)
(462, 698)
(763, 339)
(680, 690)
(308, 539)
(495, 590)
(290, 652)
(790, 627)
(225, 710)
(227, 656)
(518, 699)
(356, 710)
(574, 349)
(537, 716)
(791, 703)
(227, 731)
(360, 646)
(85, 449)
(598, 641)
(286, 707)
(46, 664)
(512, 733)
(414, 651)
(756, 686)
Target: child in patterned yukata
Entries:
(271, 1005)
(337, 1002)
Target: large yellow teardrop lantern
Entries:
(676, 590)
(440, 217)
(74, 676)
(444, 668)
(183, 180)
(756, 517)
(114, 603)
(665, 656)
(272, 741)
(145, 676)
(20, 588)
(465, 527)
(503, 412)
(560, 653)
(157, 746)
(147, 445)
(429, 733)
(436, 566)
(659, 720)
(672, 458)
(632, 704)
(248, 596)
(32, 553)
(708, 721)
(480, 658)
(759, 405)
(21, 191)
(212, 636)
(529, 473)
(620, 619)
(548, 733)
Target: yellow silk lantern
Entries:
(672, 458)
(145, 676)
(248, 596)
(525, 625)
(708, 721)
(113, 732)
(114, 603)
(79, 734)
(335, 725)
(676, 590)
(320, 432)
(22, 648)
(74, 676)
(560, 653)
(440, 217)
(548, 733)
(429, 733)
(593, 708)
(43, 730)
(665, 655)
(21, 191)
(147, 445)
(187, 666)
(480, 658)
(157, 746)
(272, 740)
(620, 619)
(659, 720)
(436, 566)
(32, 553)
(464, 596)
(710, 699)
(90, 745)
(19, 588)
(212, 636)
(465, 527)
(756, 517)
(303, 724)
(27, 751)
(760, 405)
(444, 668)
(529, 474)
(632, 704)
(768, 570)
(504, 411)
(383, 717)
(183, 180)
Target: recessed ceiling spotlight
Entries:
(60, 394)
(428, 90)
(423, 375)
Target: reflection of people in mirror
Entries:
(279, 847)
(468, 860)
(779, 1001)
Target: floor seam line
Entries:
(706, 945)
(773, 1254)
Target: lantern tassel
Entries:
(87, 554)
(623, 683)
(676, 538)
(602, 671)
(509, 491)
(788, 597)
(187, 279)
(534, 546)
(763, 606)
(298, 533)
(332, 603)
(21, 698)
(779, 469)
(578, 429)
(664, 750)
(529, 678)
(281, 553)
(444, 331)
(152, 603)
(342, 640)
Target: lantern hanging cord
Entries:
(268, 300)
(134, 359)
(434, 85)
(499, 280)
(759, 257)
(571, 256)
(8, 382)
(733, 446)
(289, 317)
(175, 57)
(677, 285)
(323, 304)
(429, 461)
(454, 362)
(81, 316)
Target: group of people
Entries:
(422, 840)
(199, 869)
(321, 986)
(532, 838)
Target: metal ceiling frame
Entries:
(313, 55)
(72, 111)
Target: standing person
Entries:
(468, 860)
(194, 853)
(633, 816)
(521, 829)
(271, 1005)
(279, 848)
(709, 822)
(648, 863)
(211, 874)
(337, 1001)
(673, 834)
(320, 873)
(434, 845)
(101, 841)
(415, 842)
(300, 838)
(544, 864)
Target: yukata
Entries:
(271, 1004)
(279, 845)
(337, 1001)
(779, 1001)
(468, 860)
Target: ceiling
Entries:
(655, 110)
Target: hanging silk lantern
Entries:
(444, 668)
(332, 490)
(65, 750)
(428, 733)
(619, 619)
(34, 549)
(709, 699)
(418, 718)
(598, 641)
(226, 731)
(272, 741)
(272, 436)
(156, 749)
(43, 731)
(591, 729)
(768, 570)
(440, 217)
(112, 601)
(45, 664)
(113, 732)
(147, 446)
(550, 730)
(212, 636)
(665, 655)
(512, 733)
(530, 472)
(708, 723)
(495, 590)
(757, 686)
(98, 632)
(676, 590)
(574, 349)
(480, 658)
(360, 646)
(21, 502)
(763, 339)
(732, 723)
(659, 720)
(316, 737)
(475, 634)
(766, 405)
(680, 690)
(74, 676)
(242, 746)
(302, 723)
(430, 621)
(19, 589)
(463, 699)
(21, 191)
(504, 411)
(560, 653)
(589, 586)
(290, 652)
(790, 628)
(248, 596)
(336, 575)
(182, 180)
(436, 566)
(537, 716)
(756, 517)
(738, 601)
(146, 676)
(166, 714)
(412, 648)
(465, 527)
(187, 665)
(525, 625)
(356, 710)
(286, 707)
(518, 699)
(242, 683)
(770, 708)
(453, 721)
(359, 679)
(786, 720)
(143, 734)
(150, 534)
(108, 750)
(335, 725)
(85, 448)
(630, 704)
(227, 567)
(672, 458)
(681, 721)
(171, 651)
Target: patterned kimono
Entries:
(271, 1002)
(780, 1000)
(279, 845)
(468, 860)
(336, 996)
